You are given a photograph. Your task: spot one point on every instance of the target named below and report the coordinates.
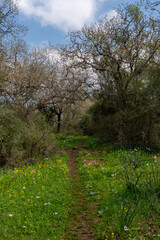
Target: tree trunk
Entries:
(59, 122)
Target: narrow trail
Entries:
(83, 217)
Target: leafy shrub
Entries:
(86, 124)
(129, 127)
(10, 132)
(23, 139)
(155, 135)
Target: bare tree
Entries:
(10, 31)
(8, 23)
(62, 86)
(118, 50)
(152, 5)
(14, 69)
(43, 79)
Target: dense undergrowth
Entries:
(24, 137)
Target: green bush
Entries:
(23, 140)
(86, 124)
(129, 127)
(155, 135)
(10, 133)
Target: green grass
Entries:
(35, 201)
(126, 185)
(68, 142)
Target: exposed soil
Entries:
(72, 162)
(83, 217)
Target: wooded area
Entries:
(105, 82)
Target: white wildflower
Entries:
(47, 203)
(125, 228)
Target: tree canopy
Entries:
(119, 50)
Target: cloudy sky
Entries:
(50, 20)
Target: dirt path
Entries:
(83, 217)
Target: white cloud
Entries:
(65, 14)
(111, 14)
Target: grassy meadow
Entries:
(126, 186)
(36, 202)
